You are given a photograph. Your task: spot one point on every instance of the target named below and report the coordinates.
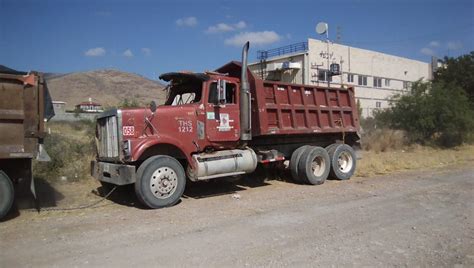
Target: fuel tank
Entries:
(222, 163)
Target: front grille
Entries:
(108, 137)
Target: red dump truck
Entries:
(225, 123)
(25, 104)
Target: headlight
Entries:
(127, 145)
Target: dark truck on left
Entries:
(25, 104)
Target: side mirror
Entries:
(221, 91)
(153, 106)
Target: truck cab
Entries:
(201, 116)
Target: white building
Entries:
(376, 76)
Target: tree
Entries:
(458, 71)
(437, 111)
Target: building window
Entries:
(378, 104)
(362, 80)
(323, 75)
(350, 78)
(406, 85)
(387, 82)
(377, 82)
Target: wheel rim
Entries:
(164, 182)
(345, 162)
(318, 166)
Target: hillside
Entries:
(108, 87)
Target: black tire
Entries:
(307, 171)
(329, 147)
(160, 182)
(7, 193)
(343, 161)
(295, 158)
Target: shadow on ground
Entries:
(125, 195)
(47, 196)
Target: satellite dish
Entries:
(321, 28)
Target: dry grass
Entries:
(414, 157)
(71, 148)
(383, 140)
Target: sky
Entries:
(152, 37)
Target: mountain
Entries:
(107, 87)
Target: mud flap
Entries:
(42, 155)
(32, 183)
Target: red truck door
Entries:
(222, 116)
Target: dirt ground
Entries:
(415, 218)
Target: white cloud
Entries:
(434, 44)
(188, 21)
(146, 51)
(427, 51)
(454, 45)
(240, 25)
(95, 52)
(255, 38)
(219, 28)
(224, 27)
(128, 53)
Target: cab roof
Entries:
(180, 77)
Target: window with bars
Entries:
(377, 82)
(362, 80)
(323, 75)
(350, 78)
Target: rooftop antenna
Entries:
(338, 34)
(323, 28)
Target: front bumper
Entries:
(117, 174)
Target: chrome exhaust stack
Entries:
(245, 99)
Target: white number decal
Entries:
(185, 126)
(128, 130)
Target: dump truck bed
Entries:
(22, 109)
(282, 108)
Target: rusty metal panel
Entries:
(301, 109)
(21, 115)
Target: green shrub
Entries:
(436, 113)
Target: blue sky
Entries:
(152, 37)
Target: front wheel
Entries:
(6, 194)
(160, 182)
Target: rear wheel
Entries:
(6, 194)
(160, 182)
(343, 161)
(295, 158)
(314, 165)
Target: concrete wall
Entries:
(295, 76)
(73, 117)
(398, 71)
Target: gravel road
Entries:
(421, 218)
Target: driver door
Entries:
(222, 111)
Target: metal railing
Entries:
(293, 48)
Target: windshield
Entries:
(184, 93)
